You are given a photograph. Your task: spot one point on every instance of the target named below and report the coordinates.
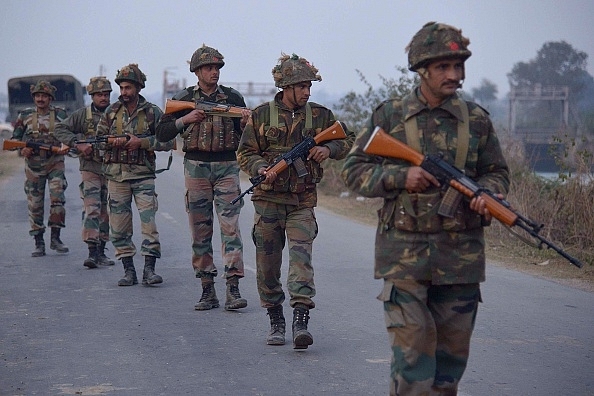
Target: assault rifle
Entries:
(210, 108)
(37, 146)
(382, 144)
(112, 139)
(109, 139)
(297, 155)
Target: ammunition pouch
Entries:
(418, 212)
(119, 155)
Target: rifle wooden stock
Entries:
(17, 144)
(172, 106)
(382, 144)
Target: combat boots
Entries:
(209, 299)
(55, 242)
(129, 278)
(39, 246)
(93, 259)
(103, 259)
(276, 335)
(234, 300)
(301, 337)
(148, 275)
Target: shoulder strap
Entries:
(89, 119)
(273, 114)
(463, 136)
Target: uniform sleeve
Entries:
(492, 169)
(66, 130)
(339, 148)
(19, 128)
(249, 155)
(370, 175)
(154, 143)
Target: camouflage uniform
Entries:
(93, 187)
(43, 166)
(132, 180)
(285, 208)
(431, 265)
(212, 179)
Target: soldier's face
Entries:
(442, 79)
(209, 74)
(298, 94)
(129, 92)
(101, 100)
(42, 100)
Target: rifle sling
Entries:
(452, 197)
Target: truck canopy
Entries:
(69, 93)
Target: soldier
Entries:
(93, 187)
(38, 125)
(431, 264)
(284, 203)
(212, 176)
(129, 165)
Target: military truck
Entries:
(69, 93)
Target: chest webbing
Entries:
(140, 116)
(52, 121)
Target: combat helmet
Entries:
(292, 70)
(43, 87)
(131, 73)
(206, 55)
(436, 41)
(98, 84)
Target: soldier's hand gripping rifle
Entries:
(210, 108)
(297, 155)
(37, 147)
(382, 144)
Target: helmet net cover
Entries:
(131, 73)
(436, 41)
(206, 55)
(292, 70)
(43, 86)
(98, 84)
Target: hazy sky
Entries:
(338, 36)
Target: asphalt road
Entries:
(67, 330)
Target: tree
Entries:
(355, 109)
(556, 64)
(485, 93)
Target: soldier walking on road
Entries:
(129, 165)
(284, 203)
(41, 166)
(93, 187)
(211, 175)
(431, 264)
